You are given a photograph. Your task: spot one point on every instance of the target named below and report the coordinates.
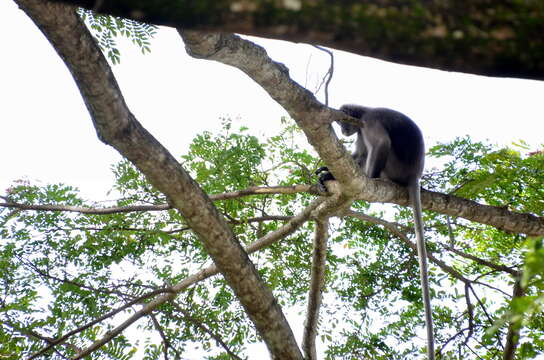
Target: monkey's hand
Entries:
(324, 175)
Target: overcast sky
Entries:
(47, 135)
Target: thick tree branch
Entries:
(500, 38)
(498, 217)
(315, 294)
(314, 118)
(116, 126)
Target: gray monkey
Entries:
(390, 146)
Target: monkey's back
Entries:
(407, 144)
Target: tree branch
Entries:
(33, 334)
(469, 36)
(203, 274)
(470, 313)
(498, 267)
(108, 315)
(86, 210)
(402, 236)
(314, 119)
(253, 190)
(328, 76)
(117, 126)
(514, 326)
(498, 217)
(486, 313)
(446, 268)
(163, 336)
(205, 329)
(315, 294)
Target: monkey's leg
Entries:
(378, 144)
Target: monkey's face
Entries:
(348, 129)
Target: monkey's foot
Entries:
(324, 175)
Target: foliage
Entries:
(106, 28)
(60, 270)
(499, 177)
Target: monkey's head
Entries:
(355, 111)
(347, 128)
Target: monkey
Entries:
(390, 146)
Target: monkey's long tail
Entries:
(415, 199)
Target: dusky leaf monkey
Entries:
(390, 146)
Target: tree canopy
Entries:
(78, 276)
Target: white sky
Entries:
(46, 133)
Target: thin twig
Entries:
(163, 336)
(253, 190)
(328, 75)
(205, 329)
(489, 318)
(498, 267)
(460, 332)
(175, 231)
(110, 314)
(401, 235)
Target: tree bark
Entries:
(314, 118)
(514, 325)
(116, 126)
(501, 38)
(315, 294)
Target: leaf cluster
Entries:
(60, 270)
(105, 28)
